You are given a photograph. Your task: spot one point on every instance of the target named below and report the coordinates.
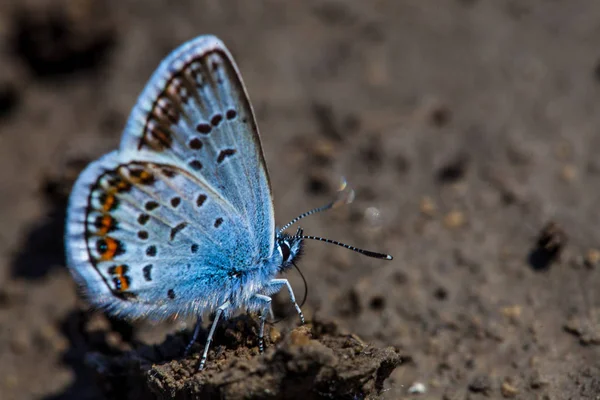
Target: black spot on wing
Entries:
(231, 114)
(200, 200)
(151, 205)
(218, 222)
(223, 154)
(196, 165)
(143, 218)
(216, 119)
(176, 230)
(151, 251)
(195, 144)
(143, 235)
(175, 202)
(204, 128)
(194, 248)
(147, 272)
(171, 294)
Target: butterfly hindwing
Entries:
(148, 239)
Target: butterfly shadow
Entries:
(43, 249)
(91, 333)
(76, 327)
(108, 362)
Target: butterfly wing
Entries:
(195, 113)
(169, 223)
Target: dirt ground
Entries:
(470, 130)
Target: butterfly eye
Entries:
(285, 251)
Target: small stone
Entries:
(592, 258)
(568, 173)
(299, 337)
(513, 313)
(537, 381)
(454, 219)
(533, 361)
(480, 384)
(417, 388)
(275, 334)
(585, 328)
(427, 206)
(508, 390)
(354, 339)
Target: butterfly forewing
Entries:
(201, 120)
(185, 202)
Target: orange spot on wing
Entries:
(146, 177)
(112, 246)
(124, 283)
(120, 279)
(109, 202)
(105, 224)
(141, 176)
(123, 186)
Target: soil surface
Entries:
(469, 129)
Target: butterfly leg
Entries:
(266, 310)
(218, 314)
(278, 283)
(194, 336)
(271, 314)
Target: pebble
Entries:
(592, 258)
(508, 390)
(568, 173)
(299, 337)
(417, 388)
(513, 313)
(427, 206)
(454, 220)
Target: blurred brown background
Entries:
(465, 127)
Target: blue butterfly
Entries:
(179, 220)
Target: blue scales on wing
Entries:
(168, 223)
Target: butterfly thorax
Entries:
(251, 280)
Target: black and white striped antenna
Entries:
(345, 196)
(347, 246)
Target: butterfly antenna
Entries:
(347, 246)
(345, 196)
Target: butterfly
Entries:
(179, 220)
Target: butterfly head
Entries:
(290, 247)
